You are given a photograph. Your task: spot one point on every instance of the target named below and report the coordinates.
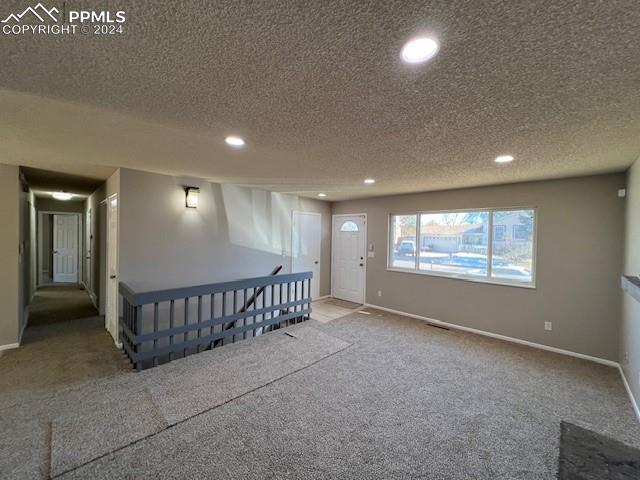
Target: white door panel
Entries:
(305, 247)
(111, 305)
(88, 257)
(349, 262)
(65, 248)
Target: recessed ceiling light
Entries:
(419, 50)
(322, 194)
(234, 141)
(62, 195)
(369, 181)
(504, 159)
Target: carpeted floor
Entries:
(363, 396)
(65, 343)
(59, 303)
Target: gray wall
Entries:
(630, 332)
(9, 243)
(235, 233)
(52, 205)
(579, 259)
(25, 259)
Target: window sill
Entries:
(530, 286)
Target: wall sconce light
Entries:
(192, 197)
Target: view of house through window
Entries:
(495, 245)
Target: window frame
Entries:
(468, 278)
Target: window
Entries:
(403, 241)
(457, 243)
(484, 245)
(512, 259)
(349, 226)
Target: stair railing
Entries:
(161, 325)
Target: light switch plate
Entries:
(371, 254)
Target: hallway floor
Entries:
(65, 343)
(59, 303)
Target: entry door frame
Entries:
(293, 233)
(81, 246)
(334, 218)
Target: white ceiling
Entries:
(322, 98)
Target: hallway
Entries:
(59, 303)
(65, 343)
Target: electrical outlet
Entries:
(625, 357)
(379, 293)
(547, 326)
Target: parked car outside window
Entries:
(407, 247)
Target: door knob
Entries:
(112, 277)
(316, 262)
(362, 264)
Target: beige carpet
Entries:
(65, 343)
(60, 303)
(404, 400)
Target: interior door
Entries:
(349, 257)
(305, 251)
(111, 305)
(89, 243)
(65, 248)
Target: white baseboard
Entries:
(94, 299)
(92, 296)
(321, 298)
(602, 361)
(634, 404)
(9, 346)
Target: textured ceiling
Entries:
(323, 100)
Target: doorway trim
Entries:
(366, 248)
(293, 232)
(81, 246)
(111, 319)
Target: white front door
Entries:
(305, 247)
(111, 304)
(65, 248)
(349, 262)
